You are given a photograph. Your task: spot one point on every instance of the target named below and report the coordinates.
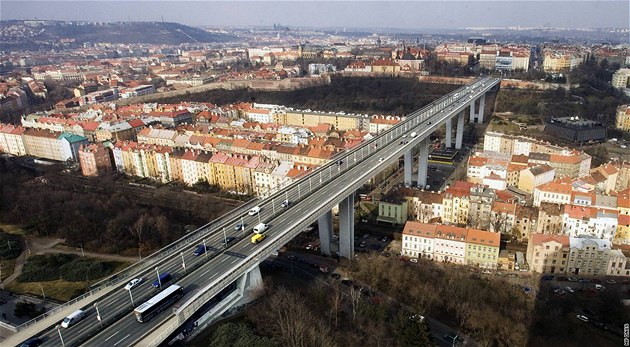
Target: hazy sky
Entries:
(349, 14)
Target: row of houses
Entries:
(560, 254)
(445, 243)
(234, 172)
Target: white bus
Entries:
(158, 303)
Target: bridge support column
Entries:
(325, 232)
(459, 137)
(250, 283)
(448, 142)
(423, 162)
(346, 227)
(482, 105)
(473, 115)
(408, 168)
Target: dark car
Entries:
(201, 249)
(239, 227)
(228, 240)
(547, 277)
(562, 278)
(32, 342)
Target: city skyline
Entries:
(407, 15)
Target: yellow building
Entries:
(623, 218)
(482, 248)
(622, 119)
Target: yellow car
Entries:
(257, 238)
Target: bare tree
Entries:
(336, 300)
(355, 298)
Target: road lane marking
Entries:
(114, 334)
(119, 341)
(205, 272)
(224, 259)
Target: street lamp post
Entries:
(60, 337)
(205, 250)
(242, 226)
(42, 287)
(224, 238)
(98, 314)
(131, 296)
(183, 261)
(158, 276)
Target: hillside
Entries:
(42, 34)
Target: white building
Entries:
(586, 220)
(418, 240)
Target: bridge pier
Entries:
(324, 222)
(482, 105)
(448, 142)
(459, 137)
(346, 227)
(408, 168)
(473, 115)
(423, 162)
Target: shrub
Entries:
(68, 267)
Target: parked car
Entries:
(413, 260)
(133, 283)
(573, 279)
(611, 281)
(569, 289)
(547, 277)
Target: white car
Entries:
(133, 283)
(413, 260)
(582, 318)
(569, 289)
(254, 211)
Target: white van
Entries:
(413, 134)
(73, 318)
(254, 210)
(260, 228)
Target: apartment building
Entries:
(450, 244)
(424, 206)
(94, 159)
(556, 192)
(482, 248)
(621, 79)
(550, 217)
(588, 256)
(418, 240)
(535, 176)
(587, 220)
(548, 253)
(52, 145)
(11, 141)
(622, 117)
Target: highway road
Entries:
(326, 186)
